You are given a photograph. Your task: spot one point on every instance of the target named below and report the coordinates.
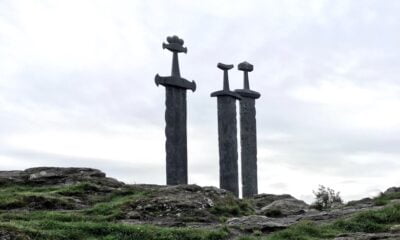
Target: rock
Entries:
(395, 228)
(284, 207)
(334, 214)
(11, 235)
(260, 223)
(362, 203)
(369, 236)
(392, 190)
(56, 175)
(262, 200)
(394, 202)
(179, 205)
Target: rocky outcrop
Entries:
(369, 236)
(260, 223)
(6, 234)
(55, 175)
(284, 207)
(262, 200)
(88, 191)
(392, 190)
(182, 205)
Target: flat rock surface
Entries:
(261, 223)
(56, 175)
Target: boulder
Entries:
(369, 236)
(284, 207)
(392, 190)
(262, 200)
(6, 234)
(180, 205)
(56, 175)
(260, 223)
(362, 203)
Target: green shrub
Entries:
(325, 198)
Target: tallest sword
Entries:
(175, 115)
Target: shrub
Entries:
(326, 198)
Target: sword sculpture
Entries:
(248, 133)
(175, 115)
(227, 135)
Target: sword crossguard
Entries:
(175, 82)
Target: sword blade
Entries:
(248, 138)
(227, 139)
(175, 132)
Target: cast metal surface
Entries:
(227, 134)
(175, 115)
(248, 133)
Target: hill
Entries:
(82, 203)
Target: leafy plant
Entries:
(326, 198)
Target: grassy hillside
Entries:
(90, 211)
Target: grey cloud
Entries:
(290, 47)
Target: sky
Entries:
(77, 88)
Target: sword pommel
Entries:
(224, 66)
(175, 44)
(245, 67)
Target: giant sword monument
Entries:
(175, 115)
(227, 134)
(248, 133)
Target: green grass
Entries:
(384, 199)
(231, 207)
(98, 221)
(51, 229)
(104, 208)
(369, 222)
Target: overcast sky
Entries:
(77, 88)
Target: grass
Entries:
(231, 207)
(369, 222)
(100, 218)
(384, 199)
(98, 221)
(50, 229)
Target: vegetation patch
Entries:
(384, 199)
(372, 221)
(232, 207)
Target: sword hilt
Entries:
(246, 92)
(246, 68)
(225, 90)
(175, 45)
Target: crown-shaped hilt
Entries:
(175, 44)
